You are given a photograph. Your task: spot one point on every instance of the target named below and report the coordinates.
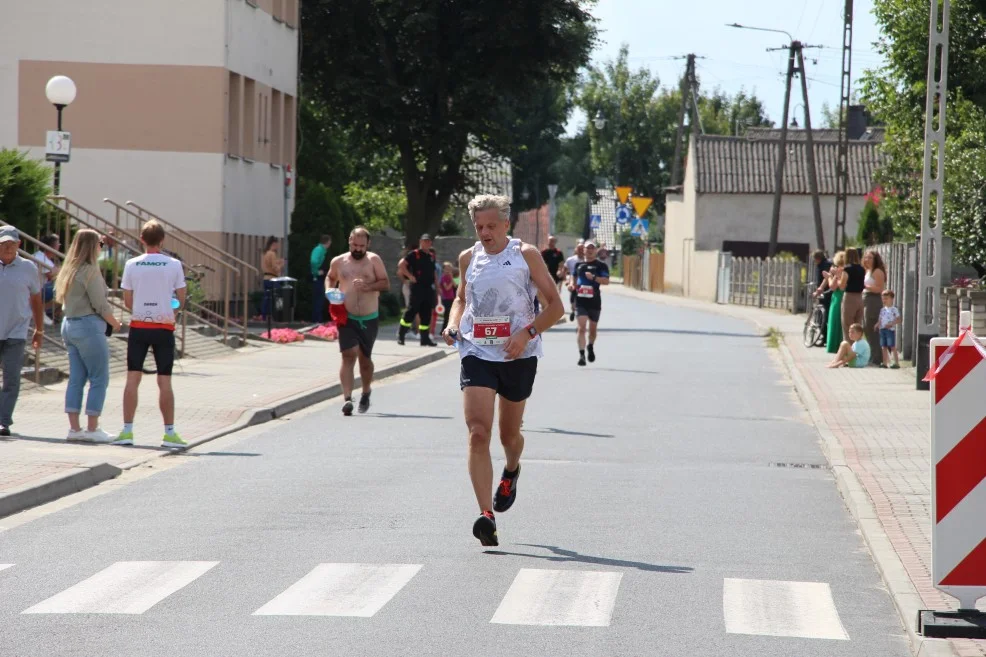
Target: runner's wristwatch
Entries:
(531, 331)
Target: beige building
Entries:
(726, 203)
(186, 107)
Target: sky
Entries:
(659, 30)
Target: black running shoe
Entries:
(506, 492)
(400, 340)
(485, 529)
(426, 342)
(347, 408)
(4, 431)
(581, 361)
(591, 352)
(364, 402)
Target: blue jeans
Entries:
(12, 359)
(89, 360)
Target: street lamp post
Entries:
(60, 91)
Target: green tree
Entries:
(723, 114)
(571, 211)
(378, 207)
(895, 95)
(25, 183)
(428, 79)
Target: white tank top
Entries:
(500, 298)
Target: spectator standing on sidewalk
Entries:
(150, 282)
(20, 300)
(81, 291)
(447, 289)
(852, 301)
(874, 283)
(49, 269)
(889, 321)
(822, 266)
(835, 280)
(318, 272)
(271, 265)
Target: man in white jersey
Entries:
(150, 281)
(499, 336)
(570, 265)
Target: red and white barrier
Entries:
(958, 473)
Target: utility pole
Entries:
(795, 64)
(842, 160)
(689, 92)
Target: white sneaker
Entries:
(99, 436)
(79, 436)
(48, 321)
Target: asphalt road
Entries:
(658, 514)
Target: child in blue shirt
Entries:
(853, 353)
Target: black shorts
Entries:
(162, 341)
(359, 334)
(591, 313)
(513, 379)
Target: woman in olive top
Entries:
(272, 265)
(852, 301)
(81, 290)
(874, 284)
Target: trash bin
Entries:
(282, 305)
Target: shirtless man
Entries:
(361, 276)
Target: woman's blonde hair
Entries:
(839, 259)
(84, 251)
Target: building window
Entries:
(287, 155)
(277, 127)
(234, 113)
(249, 118)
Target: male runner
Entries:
(493, 320)
(418, 267)
(553, 258)
(589, 276)
(361, 276)
(570, 264)
(149, 283)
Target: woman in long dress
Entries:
(837, 279)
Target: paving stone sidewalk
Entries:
(211, 395)
(881, 422)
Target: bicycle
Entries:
(815, 326)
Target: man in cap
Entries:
(20, 300)
(418, 267)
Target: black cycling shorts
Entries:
(591, 313)
(362, 334)
(513, 379)
(162, 341)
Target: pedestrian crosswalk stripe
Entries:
(777, 608)
(5, 566)
(341, 589)
(559, 597)
(126, 587)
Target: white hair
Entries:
(489, 202)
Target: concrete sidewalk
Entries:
(874, 427)
(213, 398)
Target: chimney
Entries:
(856, 121)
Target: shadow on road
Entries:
(715, 334)
(616, 369)
(62, 441)
(562, 555)
(565, 432)
(409, 416)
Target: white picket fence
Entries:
(764, 283)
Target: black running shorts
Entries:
(162, 341)
(359, 334)
(513, 380)
(591, 313)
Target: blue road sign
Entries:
(595, 221)
(639, 227)
(623, 214)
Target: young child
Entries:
(889, 318)
(855, 353)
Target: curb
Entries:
(905, 597)
(56, 486)
(79, 479)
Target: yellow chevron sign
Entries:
(622, 193)
(641, 205)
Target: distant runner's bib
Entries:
(586, 291)
(490, 331)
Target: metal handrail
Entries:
(224, 254)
